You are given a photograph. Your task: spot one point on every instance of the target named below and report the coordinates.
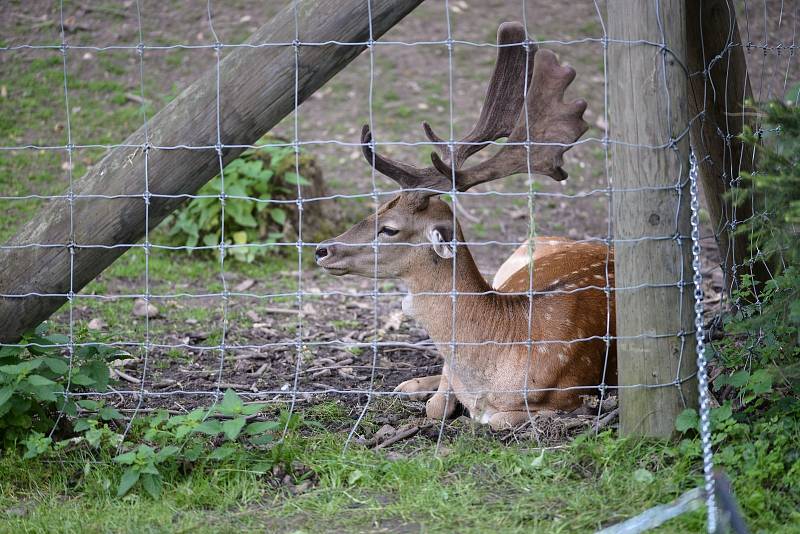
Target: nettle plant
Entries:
(268, 173)
(34, 375)
(204, 435)
(37, 415)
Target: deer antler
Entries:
(501, 107)
(504, 96)
(551, 124)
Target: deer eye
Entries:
(388, 231)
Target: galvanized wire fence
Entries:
(770, 65)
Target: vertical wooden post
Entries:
(648, 119)
(718, 89)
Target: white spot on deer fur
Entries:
(541, 349)
(562, 357)
(485, 418)
(570, 286)
(599, 277)
(549, 308)
(547, 316)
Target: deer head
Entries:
(523, 103)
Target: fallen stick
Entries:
(575, 423)
(251, 356)
(400, 435)
(261, 370)
(607, 419)
(332, 367)
(289, 311)
(230, 385)
(125, 376)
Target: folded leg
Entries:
(421, 388)
(442, 404)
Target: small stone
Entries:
(144, 309)
(96, 324)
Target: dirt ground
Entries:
(331, 351)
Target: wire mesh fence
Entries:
(296, 336)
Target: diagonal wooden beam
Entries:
(256, 89)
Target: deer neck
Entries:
(430, 301)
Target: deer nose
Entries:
(323, 251)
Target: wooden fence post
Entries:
(648, 122)
(256, 88)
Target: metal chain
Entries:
(702, 374)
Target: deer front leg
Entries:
(421, 388)
(442, 404)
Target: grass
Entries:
(474, 483)
(34, 112)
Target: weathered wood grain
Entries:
(649, 160)
(257, 87)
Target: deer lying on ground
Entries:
(515, 352)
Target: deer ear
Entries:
(440, 237)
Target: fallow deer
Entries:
(534, 341)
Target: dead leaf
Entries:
(253, 316)
(244, 285)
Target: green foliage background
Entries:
(265, 174)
